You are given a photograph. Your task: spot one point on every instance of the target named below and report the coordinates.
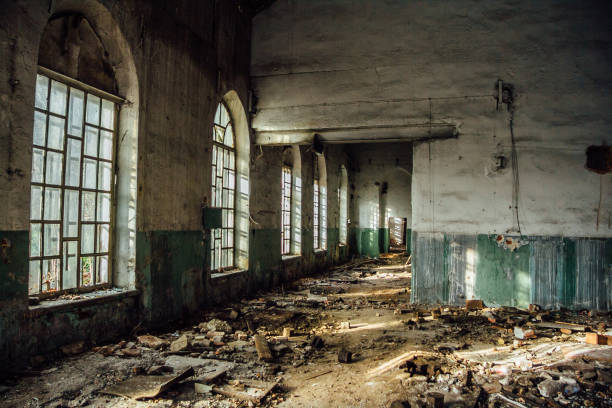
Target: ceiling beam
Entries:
(363, 134)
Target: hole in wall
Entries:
(599, 159)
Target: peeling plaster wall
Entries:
(327, 64)
(187, 55)
(266, 263)
(376, 164)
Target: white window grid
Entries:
(286, 186)
(223, 183)
(315, 215)
(72, 186)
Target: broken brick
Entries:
(595, 338)
(474, 304)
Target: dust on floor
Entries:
(348, 338)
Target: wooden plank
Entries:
(562, 325)
(263, 388)
(142, 386)
(263, 350)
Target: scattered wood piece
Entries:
(317, 375)
(263, 350)
(396, 362)
(143, 386)
(345, 356)
(210, 377)
(435, 400)
(255, 391)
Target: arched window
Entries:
(81, 236)
(72, 185)
(291, 202)
(223, 189)
(287, 187)
(319, 216)
(343, 206)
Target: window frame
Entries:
(316, 214)
(232, 150)
(286, 201)
(117, 101)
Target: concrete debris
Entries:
(74, 348)
(423, 355)
(202, 388)
(344, 356)
(219, 325)
(152, 342)
(521, 333)
(180, 344)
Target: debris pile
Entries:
(348, 338)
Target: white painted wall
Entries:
(329, 64)
(375, 164)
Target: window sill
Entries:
(220, 275)
(320, 251)
(83, 299)
(289, 258)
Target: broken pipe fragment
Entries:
(263, 350)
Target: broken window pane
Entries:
(42, 89)
(51, 239)
(51, 270)
(93, 109)
(58, 98)
(219, 134)
(87, 270)
(75, 114)
(40, 126)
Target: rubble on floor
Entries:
(348, 338)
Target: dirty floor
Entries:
(347, 338)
